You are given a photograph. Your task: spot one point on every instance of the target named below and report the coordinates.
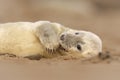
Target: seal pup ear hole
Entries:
(76, 33)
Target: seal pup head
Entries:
(80, 43)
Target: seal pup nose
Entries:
(62, 37)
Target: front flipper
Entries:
(48, 36)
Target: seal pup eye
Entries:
(79, 47)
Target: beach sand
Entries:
(105, 24)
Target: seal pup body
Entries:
(19, 39)
(27, 39)
(46, 39)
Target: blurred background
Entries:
(99, 16)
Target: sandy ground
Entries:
(106, 25)
(12, 68)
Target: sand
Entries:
(105, 24)
(12, 68)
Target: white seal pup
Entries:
(47, 39)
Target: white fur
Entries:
(23, 39)
(19, 39)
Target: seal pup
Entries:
(47, 39)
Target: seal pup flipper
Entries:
(48, 36)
